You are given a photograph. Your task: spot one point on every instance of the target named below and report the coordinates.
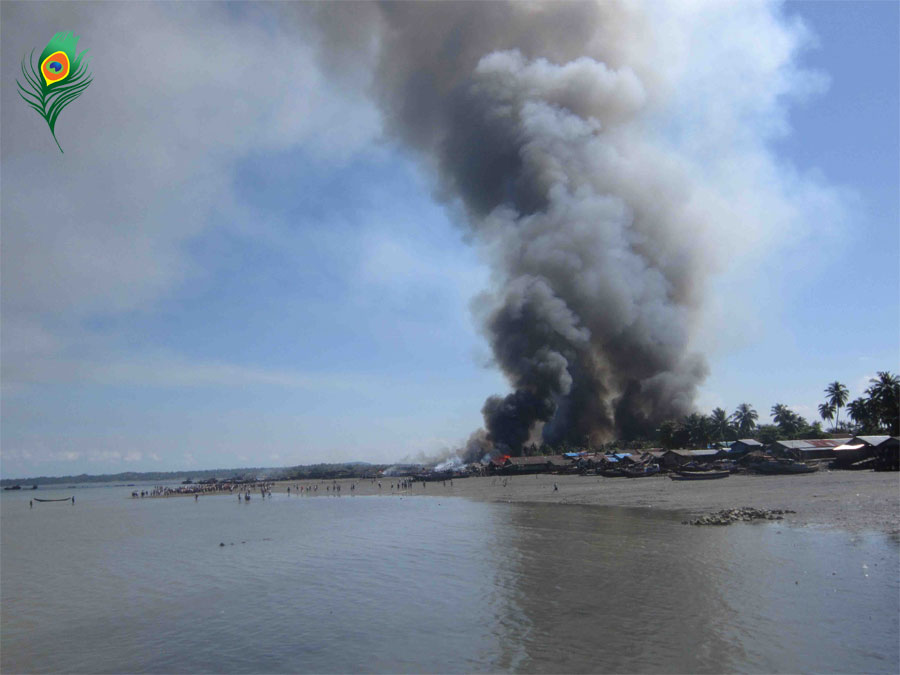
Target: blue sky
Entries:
(838, 313)
(264, 280)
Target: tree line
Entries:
(877, 411)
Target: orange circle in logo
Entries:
(55, 67)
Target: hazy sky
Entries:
(233, 265)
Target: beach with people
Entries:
(851, 500)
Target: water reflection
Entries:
(625, 590)
(433, 585)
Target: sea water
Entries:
(430, 584)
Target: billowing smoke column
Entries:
(529, 115)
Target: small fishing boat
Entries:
(783, 466)
(642, 471)
(63, 499)
(13, 487)
(611, 473)
(700, 475)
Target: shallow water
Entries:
(426, 584)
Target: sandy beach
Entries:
(851, 500)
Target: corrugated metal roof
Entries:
(849, 447)
(871, 440)
(808, 443)
(748, 441)
(558, 460)
(680, 453)
(521, 461)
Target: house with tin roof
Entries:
(807, 448)
(882, 452)
(744, 445)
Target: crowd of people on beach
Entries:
(197, 489)
(245, 491)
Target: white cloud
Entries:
(180, 93)
(170, 371)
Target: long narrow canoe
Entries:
(700, 475)
(64, 499)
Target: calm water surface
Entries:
(425, 584)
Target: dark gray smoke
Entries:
(530, 117)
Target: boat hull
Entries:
(781, 468)
(701, 475)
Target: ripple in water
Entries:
(381, 584)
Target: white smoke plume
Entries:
(604, 156)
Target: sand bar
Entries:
(852, 500)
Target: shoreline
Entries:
(850, 500)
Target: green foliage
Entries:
(767, 433)
(720, 422)
(826, 411)
(884, 402)
(745, 419)
(878, 410)
(837, 395)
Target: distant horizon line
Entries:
(183, 472)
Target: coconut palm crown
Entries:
(837, 395)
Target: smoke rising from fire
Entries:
(546, 128)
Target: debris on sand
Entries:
(745, 514)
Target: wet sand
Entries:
(852, 500)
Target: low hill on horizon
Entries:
(198, 474)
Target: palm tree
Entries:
(667, 431)
(885, 397)
(745, 417)
(720, 423)
(861, 411)
(837, 395)
(698, 428)
(787, 420)
(826, 412)
(781, 414)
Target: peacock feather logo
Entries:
(58, 79)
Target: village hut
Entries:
(744, 445)
(655, 456)
(559, 464)
(753, 457)
(707, 454)
(523, 465)
(673, 459)
(593, 460)
(864, 452)
(806, 449)
(887, 455)
(852, 454)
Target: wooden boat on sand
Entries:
(641, 471)
(700, 475)
(783, 466)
